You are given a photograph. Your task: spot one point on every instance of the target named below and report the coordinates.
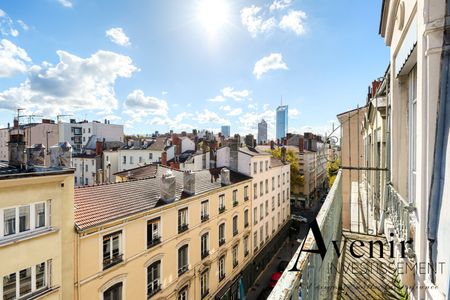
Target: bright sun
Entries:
(213, 14)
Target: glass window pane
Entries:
(10, 221)
(40, 215)
(40, 276)
(25, 281)
(9, 286)
(24, 218)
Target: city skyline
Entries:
(151, 86)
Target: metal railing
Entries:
(314, 273)
(400, 213)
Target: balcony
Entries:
(221, 209)
(221, 242)
(205, 293)
(246, 225)
(235, 232)
(246, 253)
(109, 262)
(183, 270)
(155, 241)
(204, 218)
(246, 198)
(333, 277)
(235, 203)
(153, 290)
(205, 254)
(235, 264)
(183, 228)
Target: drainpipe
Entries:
(439, 159)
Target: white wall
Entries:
(111, 159)
(187, 144)
(223, 157)
(137, 158)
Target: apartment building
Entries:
(4, 139)
(36, 233)
(139, 153)
(79, 133)
(179, 235)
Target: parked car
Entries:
(282, 265)
(264, 293)
(300, 218)
(274, 279)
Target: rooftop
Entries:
(252, 151)
(138, 173)
(100, 204)
(11, 172)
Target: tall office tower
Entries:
(262, 132)
(226, 131)
(282, 121)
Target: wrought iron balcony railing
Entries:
(310, 273)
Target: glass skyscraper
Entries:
(282, 122)
(226, 131)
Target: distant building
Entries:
(249, 140)
(226, 131)
(262, 132)
(78, 133)
(282, 122)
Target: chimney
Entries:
(283, 154)
(36, 155)
(16, 123)
(61, 155)
(225, 176)
(168, 186)
(189, 182)
(164, 158)
(16, 149)
(98, 148)
(301, 144)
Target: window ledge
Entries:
(5, 241)
(40, 294)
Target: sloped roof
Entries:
(158, 145)
(100, 204)
(138, 173)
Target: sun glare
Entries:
(213, 14)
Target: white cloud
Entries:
(175, 123)
(235, 112)
(249, 122)
(252, 106)
(272, 62)
(23, 25)
(225, 107)
(139, 106)
(293, 113)
(164, 93)
(73, 84)
(207, 116)
(293, 21)
(13, 59)
(280, 4)
(118, 36)
(7, 27)
(229, 92)
(66, 3)
(255, 23)
(218, 98)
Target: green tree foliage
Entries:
(297, 180)
(332, 170)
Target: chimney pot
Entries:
(189, 182)
(168, 186)
(225, 176)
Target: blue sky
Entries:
(160, 65)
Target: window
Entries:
(153, 232)
(260, 166)
(283, 196)
(183, 294)
(204, 214)
(261, 188)
(273, 224)
(278, 200)
(221, 203)
(412, 133)
(246, 218)
(267, 165)
(235, 225)
(267, 230)
(255, 167)
(84, 139)
(273, 183)
(86, 168)
(235, 200)
(24, 282)
(246, 246)
(140, 159)
(261, 211)
(273, 203)
(182, 259)
(150, 156)
(183, 220)
(112, 250)
(86, 181)
(23, 219)
(261, 235)
(255, 190)
(124, 161)
(92, 162)
(221, 234)
(131, 160)
(279, 220)
(284, 178)
(153, 278)
(267, 207)
(283, 215)
(255, 215)
(267, 186)
(278, 180)
(114, 292)
(235, 256)
(204, 240)
(246, 193)
(221, 268)
(76, 181)
(204, 283)
(89, 130)
(255, 240)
